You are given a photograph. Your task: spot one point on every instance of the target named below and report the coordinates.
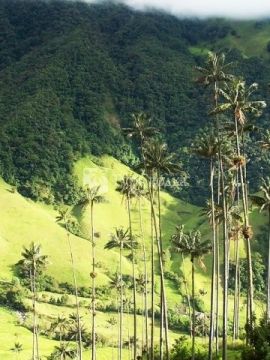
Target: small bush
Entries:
(12, 294)
(181, 350)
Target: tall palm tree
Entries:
(238, 100)
(191, 244)
(159, 161)
(35, 263)
(208, 147)
(126, 187)
(140, 193)
(214, 74)
(92, 196)
(64, 217)
(263, 202)
(142, 130)
(120, 239)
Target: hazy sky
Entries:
(203, 8)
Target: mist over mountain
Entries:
(202, 9)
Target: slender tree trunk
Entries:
(34, 316)
(219, 193)
(162, 259)
(193, 307)
(35, 311)
(217, 290)
(226, 266)
(76, 298)
(93, 275)
(121, 304)
(225, 237)
(119, 325)
(188, 299)
(238, 300)
(213, 222)
(237, 272)
(236, 305)
(129, 347)
(145, 280)
(134, 282)
(161, 276)
(268, 271)
(150, 188)
(246, 225)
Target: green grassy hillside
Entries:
(24, 221)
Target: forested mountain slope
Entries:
(71, 75)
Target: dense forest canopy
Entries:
(71, 74)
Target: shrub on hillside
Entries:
(259, 348)
(181, 350)
(12, 294)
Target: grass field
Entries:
(250, 37)
(24, 221)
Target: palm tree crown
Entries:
(142, 127)
(214, 70)
(126, 186)
(190, 243)
(121, 238)
(33, 259)
(91, 195)
(238, 98)
(158, 159)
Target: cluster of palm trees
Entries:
(34, 262)
(223, 146)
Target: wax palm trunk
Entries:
(156, 230)
(35, 350)
(225, 244)
(121, 304)
(152, 276)
(134, 282)
(246, 231)
(93, 276)
(161, 289)
(188, 299)
(145, 280)
(193, 307)
(268, 270)
(225, 265)
(34, 338)
(214, 250)
(237, 276)
(76, 299)
(225, 241)
(236, 293)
